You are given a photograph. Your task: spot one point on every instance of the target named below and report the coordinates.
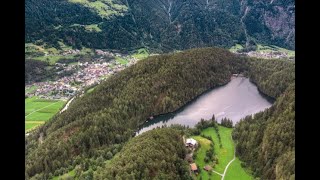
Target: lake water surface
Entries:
(234, 100)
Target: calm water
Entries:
(235, 100)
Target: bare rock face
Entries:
(281, 22)
(275, 19)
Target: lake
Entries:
(234, 100)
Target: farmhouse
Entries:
(191, 142)
(207, 168)
(193, 167)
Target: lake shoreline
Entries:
(165, 117)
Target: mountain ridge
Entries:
(165, 25)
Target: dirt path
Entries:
(225, 169)
(234, 157)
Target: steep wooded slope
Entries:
(160, 24)
(157, 154)
(100, 122)
(266, 142)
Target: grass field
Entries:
(31, 89)
(53, 54)
(235, 171)
(224, 154)
(104, 8)
(37, 111)
(91, 89)
(264, 48)
(141, 53)
(236, 47)
(93, 28)
(68, 175)
(52, 59)
(122, 60)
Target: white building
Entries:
(191, 142)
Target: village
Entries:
(85, 75)
(267, 54)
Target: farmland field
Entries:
(37, 111)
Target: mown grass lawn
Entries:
(235, 171)
(37, 110)
(225, 154)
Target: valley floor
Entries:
(38, 111)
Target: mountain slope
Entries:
(100, 122)
(141, 158)
(160, 24)
(266, 142)
(96, 126)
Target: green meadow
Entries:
(235, 171)
(265, 48)
(104, 8)
(122, 60)
(141, 53)
(225, 154)
(38, 110)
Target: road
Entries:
(67, 105)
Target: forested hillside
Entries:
(97, 124)
(160, 25)
(266, 142)
(157, 154)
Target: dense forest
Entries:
(161, 25)
(97, 124)
(156, 154)
(36, 71)
(96, 127)
(266, 142)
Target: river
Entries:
(234, 100)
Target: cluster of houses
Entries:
(86, 74)
(71, 51)
(268, 55)
(192, 144)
